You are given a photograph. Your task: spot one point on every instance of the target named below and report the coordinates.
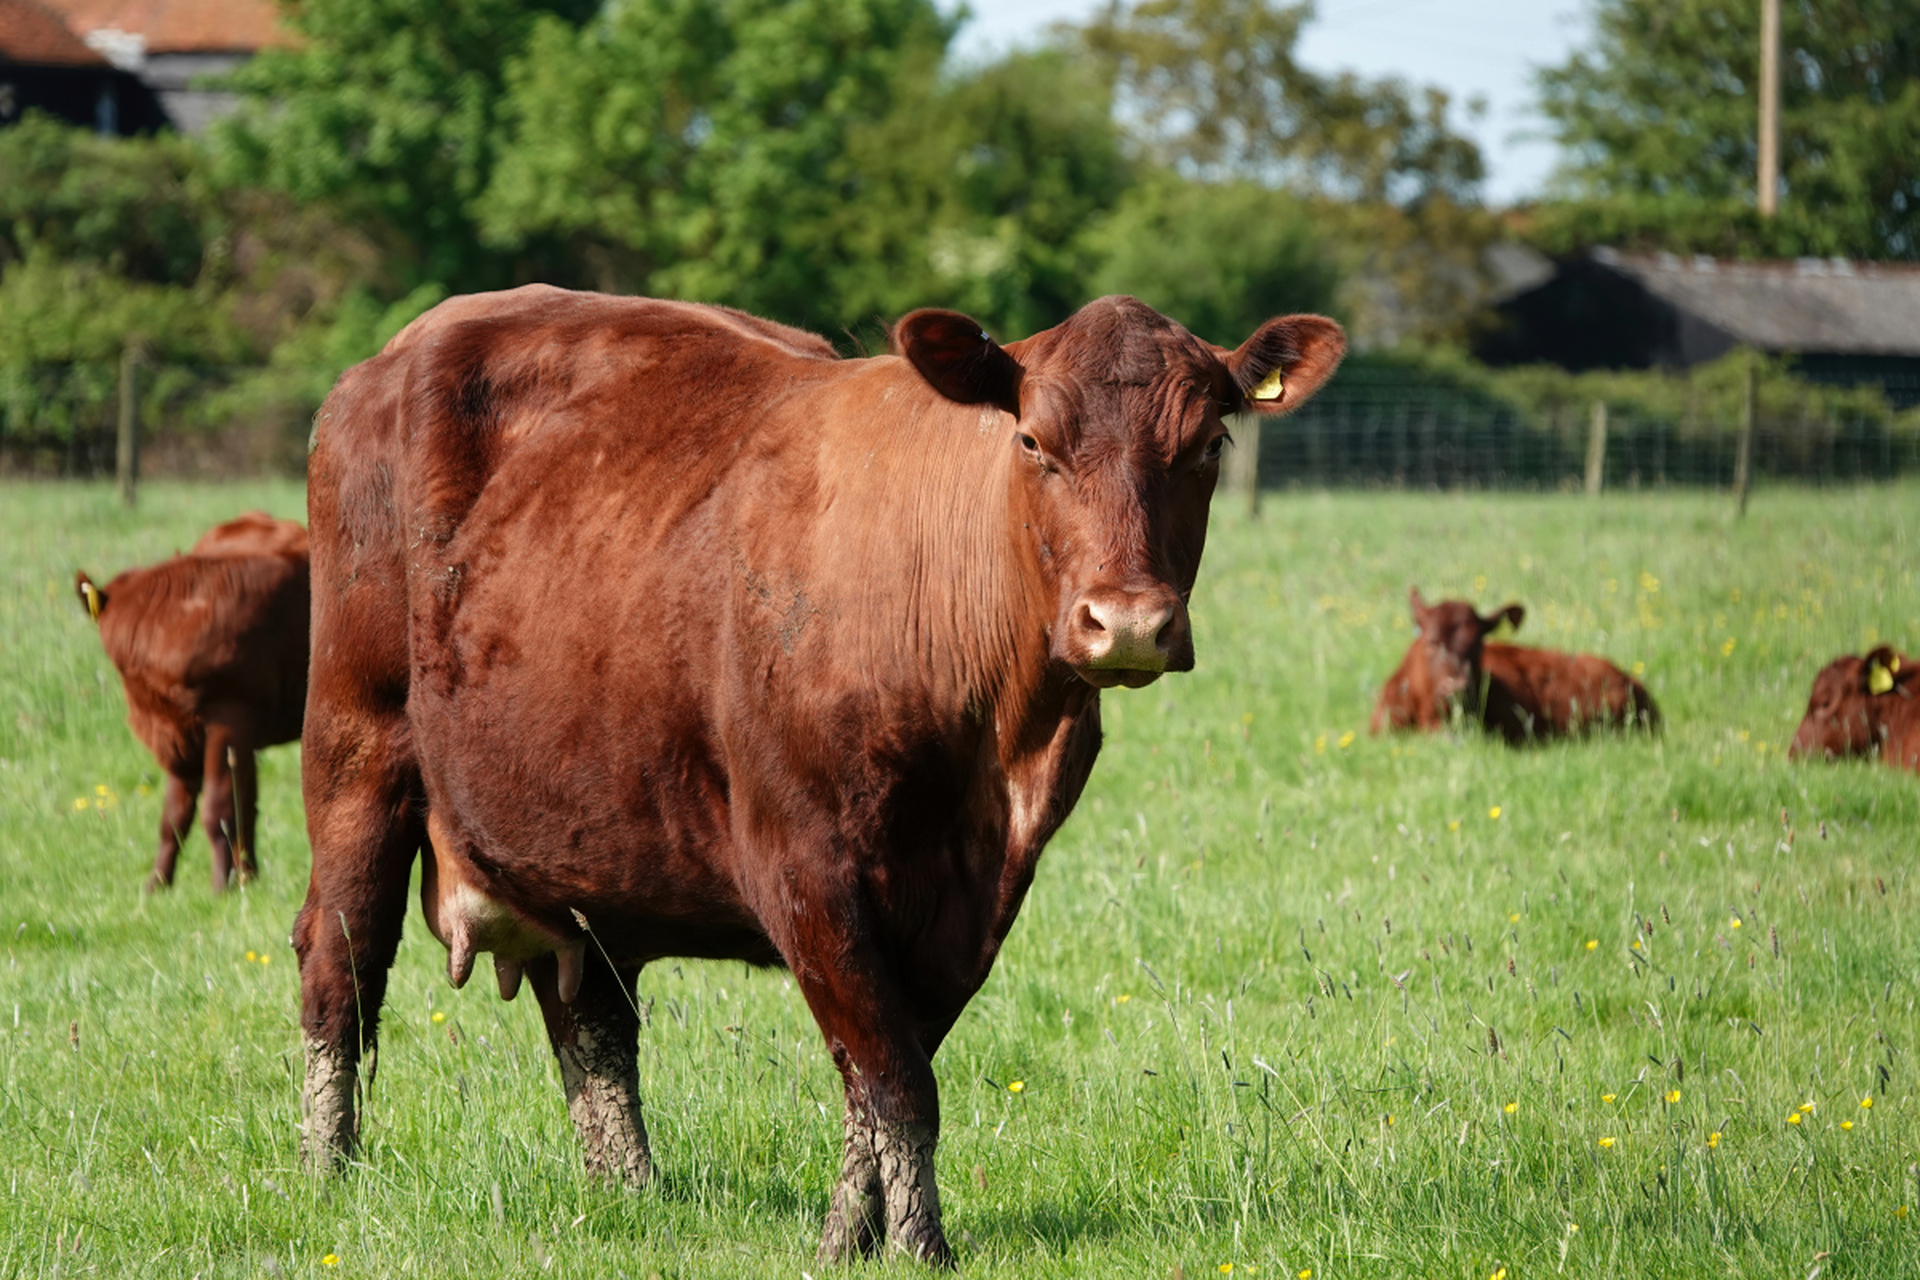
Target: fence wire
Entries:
(1368, 428)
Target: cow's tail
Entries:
(92, 598)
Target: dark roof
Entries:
(33, 35)
(1828, 305)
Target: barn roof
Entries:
(31, 34)
(1829, 305)
(180, 26)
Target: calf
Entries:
(1523, 694)
(1863, 706)
(656, 629)
(211, 647)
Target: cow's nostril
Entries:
(1090, 619)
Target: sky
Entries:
(1485, 48)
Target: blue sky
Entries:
(1487, 48)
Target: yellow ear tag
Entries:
(1271, 387)
(1879, 679)
(1896, 663)
(93, 601)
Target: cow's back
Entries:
(1543, 693)
(199, 636)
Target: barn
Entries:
(1839, 321)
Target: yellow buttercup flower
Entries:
(331, 1260)
(1015, 1086)
(1846, 1124)
(1606, 1097)
(1346, 739)
(1514, 918)
(1713, 1139)
(1866, 1104)
(1511, 1107)
(1606, 1144)
(1592, 943)
(1794, 1118)
(1673, 1095)
(1494, 813)
(438, 1017)
(1806, 1107)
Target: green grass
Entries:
(1268, 1004)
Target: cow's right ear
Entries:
(1418, 605)
(92, 598)
(1513, 615)
(958, 359)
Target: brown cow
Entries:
(211, 647)
(1523, 694)
(662, 631)
(1863, 706)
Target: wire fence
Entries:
(1370, 427)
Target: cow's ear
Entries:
(1879, 669)
(1417, 603)
(1513, 615)
(957, 358)
(1285, 362)
(92, 598)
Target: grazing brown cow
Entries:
(1523, 694)
(1861, 706)
(661, 631)
(211, 647)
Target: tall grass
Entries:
(1284, 998)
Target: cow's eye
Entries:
(1028, 443)
(1218, 444)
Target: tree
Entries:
(1219, 257)
(698, 149)
(1659, 121)
(390, 113)
(1215, 90)
(1212, 90)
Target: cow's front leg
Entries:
(595, 1039)
(893, 1110)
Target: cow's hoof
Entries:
(854, 1226)
(331, 1120)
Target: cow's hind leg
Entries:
(231, 800)
(596, 1039)
(363, 816)
(857, 1210)
(182, 793)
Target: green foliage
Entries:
(977, 190)
(1216, 91)
(1222, 257)
(57, 312)
(696, 150)
(1272, 993)
(1659, 121)
(390, 117)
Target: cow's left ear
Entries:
(1285, 362)
(957, 358)
(1513, 615)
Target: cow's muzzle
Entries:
(1115, 637)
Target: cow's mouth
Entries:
(1117, 677)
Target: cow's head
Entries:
(1453, 640)
(1114, 430)
(1845, 713)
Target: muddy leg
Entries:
(893, 1106)
(176, 819)
(366, 829)
(596, 1041)
(857, 1212)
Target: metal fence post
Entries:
(1597, 449)
(126, 467)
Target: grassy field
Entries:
(1286, 999)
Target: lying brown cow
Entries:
(1863, 706)
(662, 631)
(211, 647)
(1523, 694)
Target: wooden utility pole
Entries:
(1769, 190)
(1597, 449)
(126, 462)
(1743, 445)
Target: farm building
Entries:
(175, 48)
(44, 66)
(1841, 322)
